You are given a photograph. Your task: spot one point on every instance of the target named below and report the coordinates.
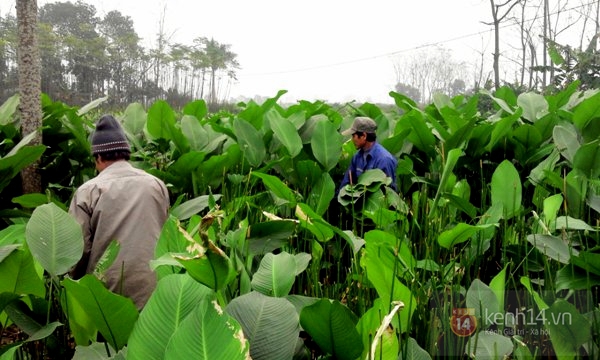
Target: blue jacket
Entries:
(377, 157)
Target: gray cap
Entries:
(361, 124)
(109, 136)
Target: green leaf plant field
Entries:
(489, 248)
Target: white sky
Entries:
(335, 50)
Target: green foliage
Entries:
(332, 325)
(262, 258)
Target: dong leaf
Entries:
(55, 239)
(566, 141)
(321, 194)
(534, 105)
(326, 144)
(270, 324)
(210, 267)
(459, 234)
(280, 191)
(175, 298)
(250, 141)
(489, 345)
(285, 132)
(553, 247)
(507, 188)
(276, 273)
(332, 326)
(208, 333)
(587, 159)
(112, 314)
(568, 329)
(195, 133)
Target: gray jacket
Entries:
(130, 206)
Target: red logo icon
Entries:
(463, 322)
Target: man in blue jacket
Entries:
(370, 154)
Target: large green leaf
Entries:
(14, 162)
(176, 296)
(574, 278)
(421, 135)
(566, 141)
(26, 320)
(459, 234)
(6, 250)
(534, 105)
(270, 325)
(23, 144)
(321, 194)
(552, 205)
(281, 192)
(13, 234)
(388, 346)
(18, 273)
(484, 301)
(210, 266)
(195, 133)
(528, 136)
(451, 160)
(112, 314)
(326, 144)
(250, 141)
(8, 108)
(552, 246)
(546, 166)
(277, 273)
(208, 333)
(264, 237)
(587, 159)
(380, 272)
(332, 326)
(569, 223)
(568, 329)
(498, 287)
(172, 239)
(161, 120)
(539, 301)
(390, 249)
(414, 352)
(588, 261)
(55, 239)
(193, 206)
(134, 119)
(314, 223)
(95, 351)
(587, 112)
(185, 165)
(502, 129)
(285, 132)
(489, 346)
(196, 108)
(507, 188)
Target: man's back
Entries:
(130, 206)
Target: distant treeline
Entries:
(85, 57)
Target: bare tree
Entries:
(30, 87)
(497, 19)
(428, 72)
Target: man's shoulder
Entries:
(381, 149)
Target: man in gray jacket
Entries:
(124, 204)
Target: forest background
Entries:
(498, 198)
(86, 56)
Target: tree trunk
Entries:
(30, 87)
(496, 64)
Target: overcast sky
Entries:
(335, 50)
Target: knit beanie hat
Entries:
(108, 136)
